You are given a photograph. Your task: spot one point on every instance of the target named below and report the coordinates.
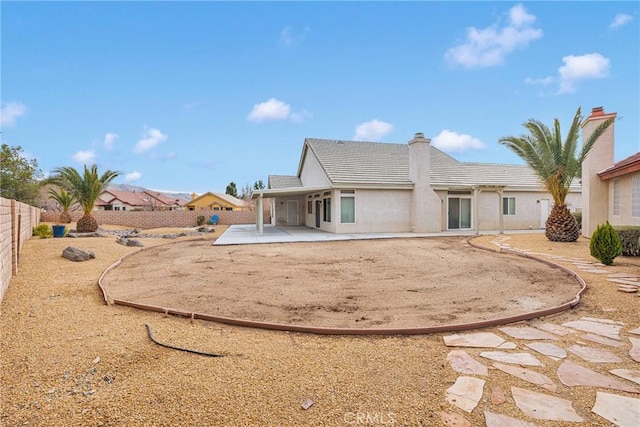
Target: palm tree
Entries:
(85, 189)
(65, 200)
(556, 164)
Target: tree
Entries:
(19, 176)
(65, 200)
(232, 190)
(245, 194)
(85, 189)
(556, 164)
(258, 185)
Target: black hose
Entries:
(179, 348)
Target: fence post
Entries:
(14, 240)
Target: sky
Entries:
(190, 96)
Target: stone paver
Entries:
(527, 333)
(497, 420)
(518, 358)
(602, 340)
(635, 349)
(600, 320)
(555, 329)
(497, 395)
(609, 331)
(528, 375)
(635, 331)
(479, 339)
(548, 349)
(595, 355)
(627, 374)
(572, 374)
(544, 407)
(465, 393)
(460, 361)
(450, 419)
(620, 410)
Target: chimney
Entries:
(425, 203)
(595, 193)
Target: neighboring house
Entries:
(610, 191)
(137, 200)
(363, 187)
(216, 202)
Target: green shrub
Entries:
(578, 216)
(605, 244)
(43, 231)
(200, 219)
(630, 240)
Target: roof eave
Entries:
(620, 171)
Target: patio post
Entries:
(476, 194)
(260, 215)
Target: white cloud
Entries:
(271, 109)
(132, 176)
(544, 81)
(84, 157)
(589, 66)
(109, 139)
(620, 20)
(150, 139)
(489, 46)
(372, 130)
(288, 38)
(452, 142)
(11, 111)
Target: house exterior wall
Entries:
(208, 200)
(281, 210)
(311, 173)
(626, 201)
(376, 211)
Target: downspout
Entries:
(500, 211)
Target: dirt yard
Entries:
(394, 283)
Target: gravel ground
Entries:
(68, 359)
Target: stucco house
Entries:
(610, 191)
(136, 200)
(216, 202)
(364, 187)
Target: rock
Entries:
(73, 234)
(129, 242)
(76, 254)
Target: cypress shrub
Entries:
(605, 244)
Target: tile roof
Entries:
(284, 181)
(625, 166)
(374, 163)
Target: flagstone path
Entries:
(576, 363)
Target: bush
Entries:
(43, 231)
(630, 240)
(605, 244)
(578, 216)
(200, 219)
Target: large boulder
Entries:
(76, 254)
(129, 242)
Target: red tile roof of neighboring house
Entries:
(623, 167)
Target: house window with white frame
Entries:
(326, 209)
(509, 205)
(347, 207)
(309, 206)
(635, 197)
(616, 197)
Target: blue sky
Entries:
(189, 96)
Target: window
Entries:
(635, 197)
(228, 209)
(347, 209)
(309, 207)
(124, 208)
(326, 209)
(116, 208)
(509, 205)
(616, 197)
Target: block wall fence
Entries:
(16, 227)
(157, 219)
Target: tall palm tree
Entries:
(65, 200)
(85, 189)
(556, 164)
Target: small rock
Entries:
(51, 391)
(96, 360)
(129, 242)
(75, 254)
(307, 404)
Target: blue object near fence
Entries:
(214, 219)
(58, 230)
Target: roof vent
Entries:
(418, 135)
(340, 142)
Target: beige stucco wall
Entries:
(626, 191)
(281, 203)
(377, 211)
(312, 174)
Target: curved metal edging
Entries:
(360, 331)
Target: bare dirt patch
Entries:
(395, 283)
